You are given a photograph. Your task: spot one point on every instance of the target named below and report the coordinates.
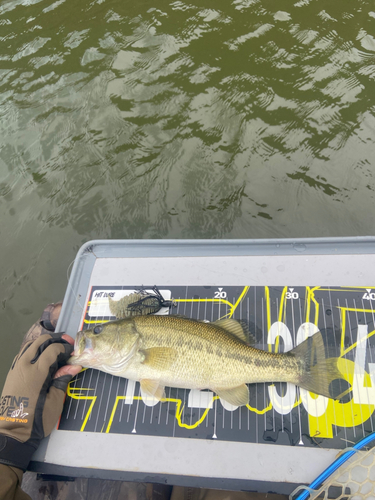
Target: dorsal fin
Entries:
(237, 328)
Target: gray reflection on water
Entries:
(223, 119)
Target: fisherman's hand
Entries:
(33, 396)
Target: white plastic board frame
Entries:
(290, 267)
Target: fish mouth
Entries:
(82, 346)
(79, 343)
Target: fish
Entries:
(175, 351)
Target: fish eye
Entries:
(97, 329)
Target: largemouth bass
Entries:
(175, 351)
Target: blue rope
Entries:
(335, 465)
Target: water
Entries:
(166, 119)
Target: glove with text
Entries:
(32, 400)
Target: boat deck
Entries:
(285, 291)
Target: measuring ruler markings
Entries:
(354, 413)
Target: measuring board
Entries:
(285, 435)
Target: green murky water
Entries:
(156, 119)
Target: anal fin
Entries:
(236, 396)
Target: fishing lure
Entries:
(141, 302)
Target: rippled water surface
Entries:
(155, 119)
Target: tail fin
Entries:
(316, 377)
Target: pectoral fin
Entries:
(236, 396)
(159, 358)
(153, 388)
